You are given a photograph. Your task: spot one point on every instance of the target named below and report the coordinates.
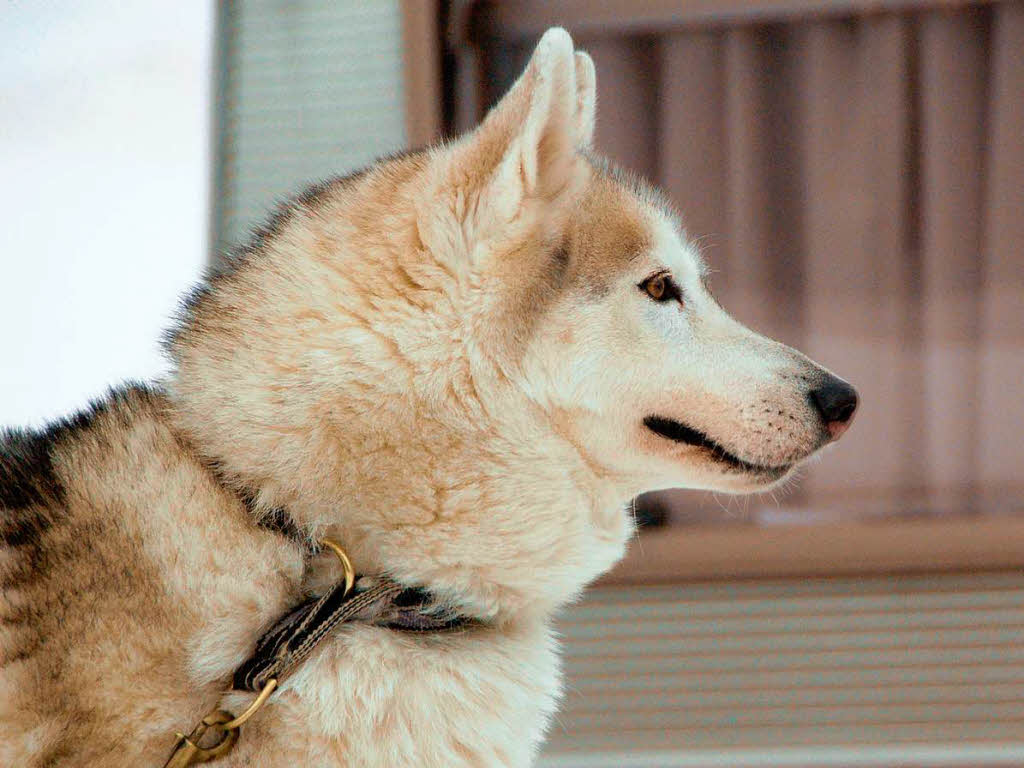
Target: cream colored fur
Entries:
(443, 363)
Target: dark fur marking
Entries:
(24, 528)
(561, 259)
(558, 267)
(27, 475)
(61, 752)
(280, 522)
(24, 570)
(27, 478)
(277, 520)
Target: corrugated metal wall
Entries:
(909, 671)
(854, 176)
(307, 89)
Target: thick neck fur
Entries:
(364, 374)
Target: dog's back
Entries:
(107, 576)
(135, 582)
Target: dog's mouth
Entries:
(680, 433)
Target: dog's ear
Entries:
(586, 99)
(521, 167)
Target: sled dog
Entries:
(460, 364)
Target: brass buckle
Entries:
(346, 564)
(255, 707)
(187, 750)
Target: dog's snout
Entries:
(836, 401)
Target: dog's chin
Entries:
(731, 481)
(731, 473)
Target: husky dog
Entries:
(461, 364)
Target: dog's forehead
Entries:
(674, 250)
(613, 229)
(627, 226)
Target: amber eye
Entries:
(660, 287)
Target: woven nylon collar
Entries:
(377, 601)
(373, 600)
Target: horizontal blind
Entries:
(309, 89)
(907, 670)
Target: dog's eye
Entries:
(660, 287)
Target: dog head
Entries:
(464, 362)
(624, 346)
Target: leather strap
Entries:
(378, 601)
(373, 600)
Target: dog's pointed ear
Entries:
(586, 99)
(524, 157)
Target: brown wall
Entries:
(856, 179)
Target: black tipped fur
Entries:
(27, 474)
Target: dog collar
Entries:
(374, 600)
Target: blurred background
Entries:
(854, 173)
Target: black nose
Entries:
(836, 401)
